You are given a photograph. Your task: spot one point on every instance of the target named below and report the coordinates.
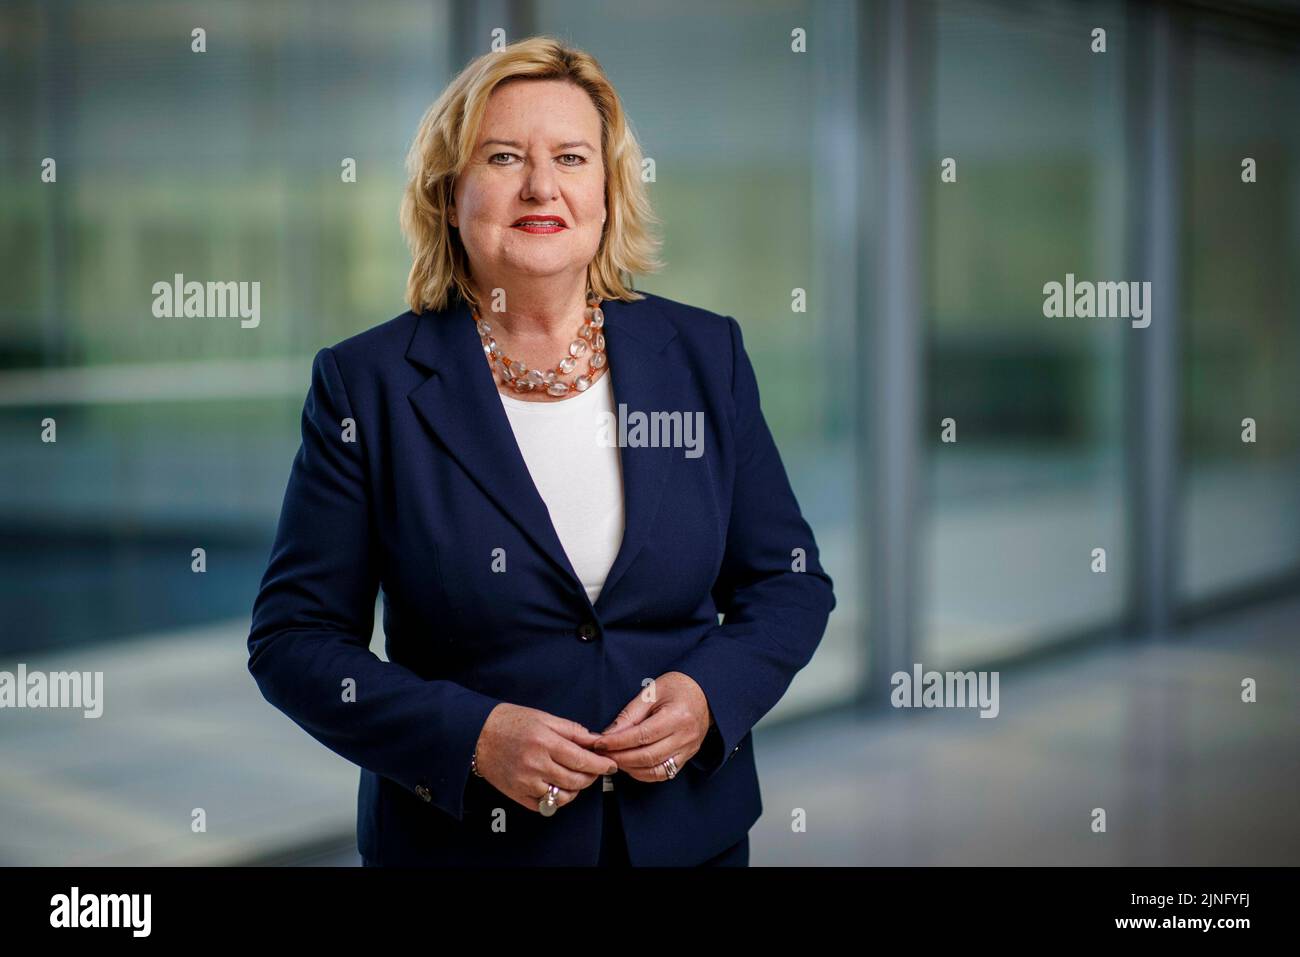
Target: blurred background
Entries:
(776, 171)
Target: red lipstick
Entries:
(540, 223)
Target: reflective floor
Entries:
(1157, 737)
(1185, 771)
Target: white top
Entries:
(580, 481)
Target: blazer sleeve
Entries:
(775, 596)
(309, 643)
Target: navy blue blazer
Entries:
(415, 500)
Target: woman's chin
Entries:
(543, 268)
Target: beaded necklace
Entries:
(590, 343)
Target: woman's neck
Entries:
(542, 309)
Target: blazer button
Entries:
(587, 630)
(424, 792)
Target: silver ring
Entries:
(547, 804)
(671, 767)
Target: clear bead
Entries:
(582, 383)
(567, 364)
(597, 318)
(523, 385)
(517, 368)
(585, 331)
(484, 329)
(535, 376)
(598, 360)
(599, 341)
(548, 376)
(493, 348)
(502, 369)
(557, 388)
(577, 347)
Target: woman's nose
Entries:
(539, 181)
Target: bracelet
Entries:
(473, 764)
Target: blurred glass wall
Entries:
(1240, 357)
(1033, 121)
(223, 165)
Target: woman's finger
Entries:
(566, 727)
(657, 726)
(574, 757)
(646, 759)
(556, 773)
(656, 773)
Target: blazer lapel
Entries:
(459, 401)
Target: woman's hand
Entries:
(523, 751)
(670, 716)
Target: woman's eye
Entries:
(575, 156)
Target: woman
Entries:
(546, 570)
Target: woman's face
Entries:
(538, 153)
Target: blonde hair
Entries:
(444, 144)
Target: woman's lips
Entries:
(538, 228)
